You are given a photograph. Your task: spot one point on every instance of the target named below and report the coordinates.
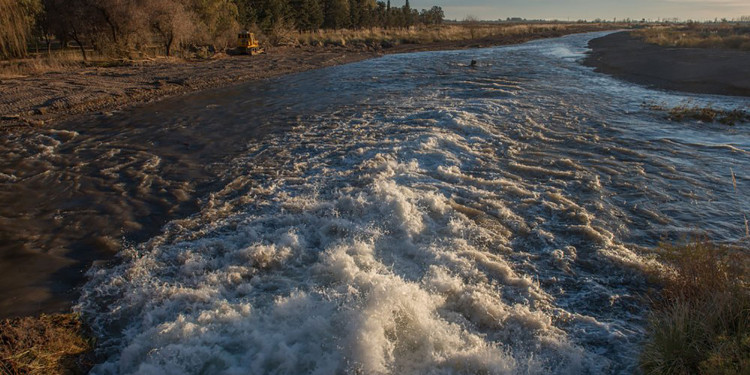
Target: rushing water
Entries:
(71, 197)
(414, 216)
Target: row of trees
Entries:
(116, 27)
(310, 15)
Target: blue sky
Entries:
(587, 9)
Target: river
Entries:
(406, 214)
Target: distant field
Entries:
(699, 36)
(429, 34)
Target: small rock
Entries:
(33, 122)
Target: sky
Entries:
(587, 9)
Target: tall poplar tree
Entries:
(336, 14)
(308, 14)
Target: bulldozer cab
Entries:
(247, 43)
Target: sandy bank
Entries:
(697, 70)
(56, 96)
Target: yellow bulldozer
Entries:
(247, 44)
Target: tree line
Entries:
(311, 15)
(116, 27)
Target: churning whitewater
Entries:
(426, 217)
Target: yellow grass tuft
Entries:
(700, 323)
(44, 345)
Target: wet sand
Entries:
(56, 96)
(696, 70)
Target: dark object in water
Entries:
(473, 63)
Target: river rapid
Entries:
(403, 215)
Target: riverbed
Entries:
(406, 214)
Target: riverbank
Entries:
(696, 70)
(58, 95)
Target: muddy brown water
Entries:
(71, 195)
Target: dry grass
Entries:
(700, 322)
(699, 36)
(39, 65)
(70, 60)
(707, 114)
(45, 345)
(60, 60)
(423, 34)
(703, 114)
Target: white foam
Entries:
(419, 237)
(373, 268)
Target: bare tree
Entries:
(472, 23)
(43, 28)
(70, 20)
(171, 22)
(115, 25)
(216, 21)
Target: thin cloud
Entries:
(589, 9)
(732, 3)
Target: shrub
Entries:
(700, 322)
(45, 345)
(708, 114)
